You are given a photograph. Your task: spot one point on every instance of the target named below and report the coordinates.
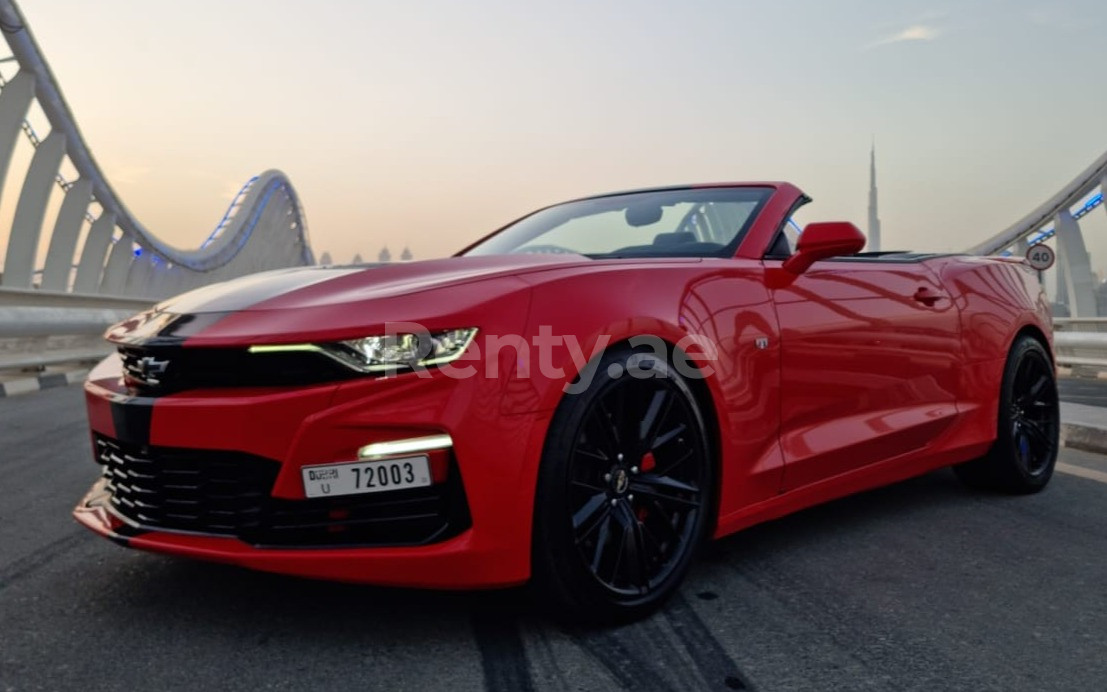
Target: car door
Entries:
(869, 363)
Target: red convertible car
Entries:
(577, 401)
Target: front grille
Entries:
(219, 494)
(158, 370)
(228, 494)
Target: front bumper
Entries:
(494, 461)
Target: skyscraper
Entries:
(874, 219)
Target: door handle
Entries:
(927, 296)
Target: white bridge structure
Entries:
(64, 278)
(1058, 219)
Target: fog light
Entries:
(409, 445)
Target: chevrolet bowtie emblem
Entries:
(149, 369)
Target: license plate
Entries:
(361, 477)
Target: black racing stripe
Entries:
(131, 418)
(244, 292)
(159, 328)
(178, 330)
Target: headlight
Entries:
(389, 352)
(374, 353)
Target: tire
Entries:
(1022, 458)
(625, 493)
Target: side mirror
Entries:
(822, 240)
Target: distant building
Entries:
(385, 255)
(406, 255)
(357, 259)
(874, 217)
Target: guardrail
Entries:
(1079, 324)
(1081, 342)
(42, 328)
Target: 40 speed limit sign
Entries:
(1041, 257)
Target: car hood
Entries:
(312, 287)
(334, 303)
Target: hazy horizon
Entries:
(429, 124)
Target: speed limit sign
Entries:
(1040, 257)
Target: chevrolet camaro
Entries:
(577, 401)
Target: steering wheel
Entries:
(545, 250)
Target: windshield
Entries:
(693, 222)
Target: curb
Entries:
(34, 384)
(1084, 427)
(1088, 438)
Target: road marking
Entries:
(1090, 474)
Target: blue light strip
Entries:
(1092, 202)
(244, 236)
(231, 210)
(251, 224)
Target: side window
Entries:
(785, 243)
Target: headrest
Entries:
(674, 238)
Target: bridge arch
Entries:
(263, 228)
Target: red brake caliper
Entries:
(648, 464)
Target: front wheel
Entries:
(1023, 456)
(624, 494)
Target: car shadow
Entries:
(260, 611)
(220, 588)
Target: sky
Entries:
(430, 123)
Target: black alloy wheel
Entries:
(625, 491)
(1028, 428)
(1034, 414)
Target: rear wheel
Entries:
(1023, 456)
(624, 492)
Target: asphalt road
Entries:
(920, 586)
(1092, 392)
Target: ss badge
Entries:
(762, 342)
